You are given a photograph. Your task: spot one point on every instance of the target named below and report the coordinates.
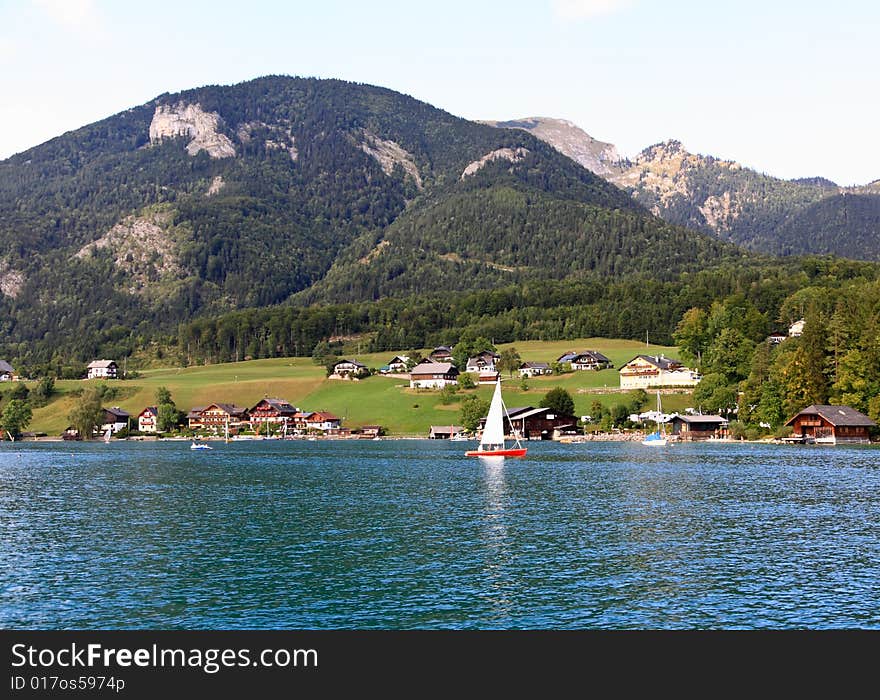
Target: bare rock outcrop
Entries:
(11, 281)
(191, 120)
(389, 154)
(514, 155)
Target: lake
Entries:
(411, 534)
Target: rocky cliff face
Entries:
(191, 120)
(514, 155)
(569, 139)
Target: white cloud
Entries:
(587, 9)
(71, 14)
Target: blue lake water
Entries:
(410, 534)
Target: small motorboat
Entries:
(200, 446)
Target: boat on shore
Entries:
(658, 437)
(492, 442)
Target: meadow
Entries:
(386, 401)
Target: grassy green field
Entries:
(377, 400)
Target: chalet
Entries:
(534, 369)
(776, 338)
(445, 432)
(194, 418)
(485, 360)
(349, 368)
(488, 376)
(697, 426)
(832, 424)
(442, 353)
(536, 423)
(323, 422)
(397, 365)
(114, 420)
(148, 420)
(590, 360)
(796, 329)
(652, 371)
(220, 417)
(103, 369)
(7, 374)
(433, 375)
(301, 420)
(368, 432)
(272, 412)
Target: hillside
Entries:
(284, 190)
(735, 203)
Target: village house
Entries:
(194, 418)
(368, 432)
(103, 369)
(796, 329)
(445, 432)
(484, 361)
(488, 376)
(148, 420)
(442, 353)
(272, 412)
(7, 374)
(346, 369)
(534, 369)
(300, 421)
(219, 418)
(654, 371)
(591, 360)
(397, 365)
(114, 420)
(433, 375)
(831, 425)
(697, 426)
(776, 338)
(323, 422)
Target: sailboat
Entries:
(658, 437)
(107, 435)
(492, 439)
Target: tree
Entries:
(692, 335)
(466, 380)
(447, 394)
(509, 361)
(15, 417)
(637, 399)
(87, 414)
(473, 408)
(559, 401)
(42, 392)
(163, 395)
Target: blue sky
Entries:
(788, 88)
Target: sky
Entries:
(787, 88)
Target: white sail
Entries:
(493, 433)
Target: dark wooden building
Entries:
(831, 424)
(537, 423)
(698, 426)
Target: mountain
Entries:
(569, 139)
(288, 190)
(722, 197)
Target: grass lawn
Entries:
(377, 400)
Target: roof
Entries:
(658, 361)
(150, 409)
(836, 415)
(446, 429)
(699, 418)
(351, 362)
(534, 365)
(321, 416)
(229, 408)
(196, 411)
(567, 357)
(279, 405)
(116, 411)
(101, 364)
(433, 368)
(6, 367)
